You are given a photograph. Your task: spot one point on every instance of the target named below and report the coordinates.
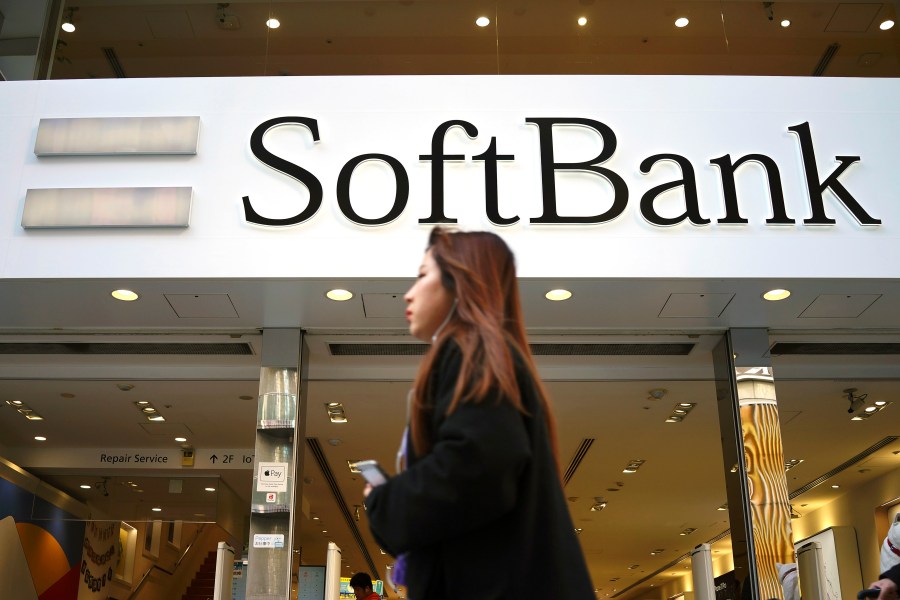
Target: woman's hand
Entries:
(367, 490)
(888, 589)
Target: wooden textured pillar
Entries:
(758, 502)
(770, 508)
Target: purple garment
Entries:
(398, 575)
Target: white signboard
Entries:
(137, 458)
(224, 458)
(271, 477)
(268, 540)
(586, 176)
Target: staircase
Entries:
(204, 581)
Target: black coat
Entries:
(482, 515)
(893, 574)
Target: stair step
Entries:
(203, 584)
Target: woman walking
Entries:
(478, 512)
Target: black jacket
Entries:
(482, 516)
(893, 574)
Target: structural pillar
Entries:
(277, 465)
(758, 499)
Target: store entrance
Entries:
(639, 433)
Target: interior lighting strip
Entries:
(25, 410)
(876, 408)
(633, 465)
(681, 410)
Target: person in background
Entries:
(361, 584)
(479, 511)
(889, 583)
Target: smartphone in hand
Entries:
(372, 472)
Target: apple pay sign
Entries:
(271, 477)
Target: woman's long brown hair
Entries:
(479, 270)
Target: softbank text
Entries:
(727, 167)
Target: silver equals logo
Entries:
(101, 207)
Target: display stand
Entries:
(811, 567)
(702, 573)
(333, 572)
(224, 572)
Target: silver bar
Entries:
(107, 207)
(117, 135)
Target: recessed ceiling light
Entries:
(777, 294)
(84, 486)
(124, 295)
(558, 295)
(156, 509)
(885, 25)
(148, 409)
(835, 486)
(786, 23)
(210, 489)
(681, 22)
(181, 439)
(14, 402)
(34, 417)
(582, 21)
(156, 418)
(339, 295)
(40, 438)
(68, 24)
(482, 21)
(273, 23)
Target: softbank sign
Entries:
(611, 193)
(317, 177)
(591, 161)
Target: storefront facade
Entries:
(667, 205)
